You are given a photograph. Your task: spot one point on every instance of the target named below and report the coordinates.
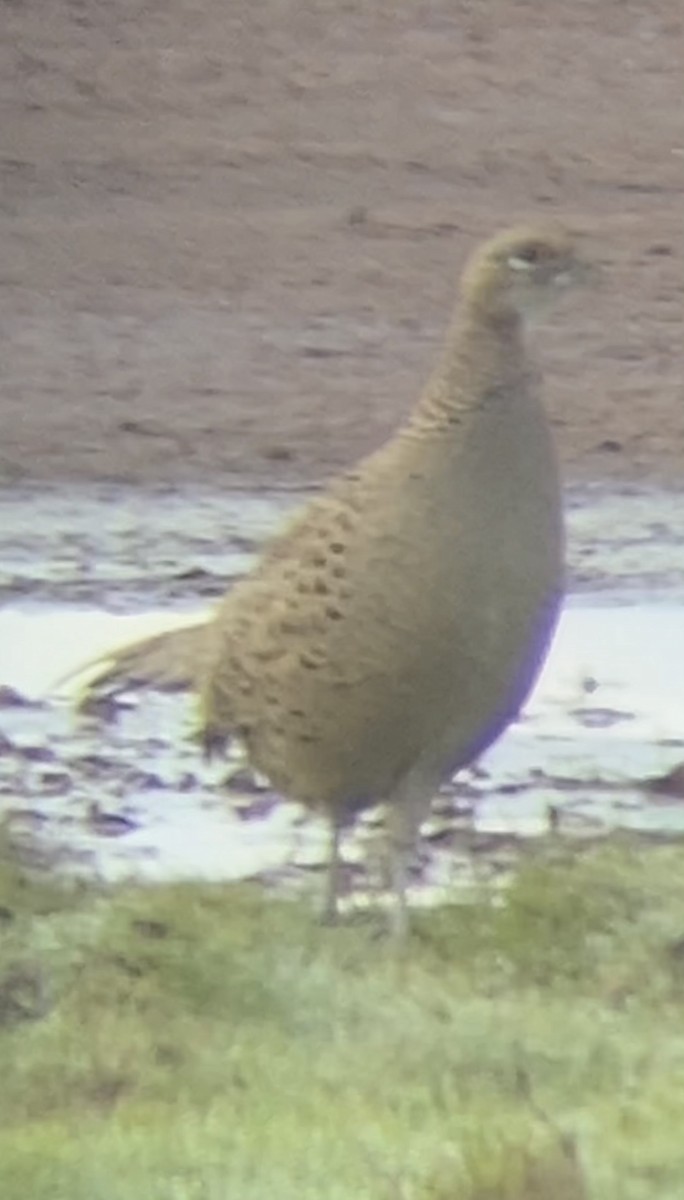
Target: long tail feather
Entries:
(169, 661)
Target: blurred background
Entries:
(231, 232)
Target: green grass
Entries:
(203, 1043)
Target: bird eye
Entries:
(527, 256)
(530, 253)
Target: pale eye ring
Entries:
(526, 257)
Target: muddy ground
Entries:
(231, 232)
(230, 237)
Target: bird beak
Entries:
(588, 274)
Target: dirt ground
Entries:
(231, 231)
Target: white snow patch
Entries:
(608, 708)
(39, 646)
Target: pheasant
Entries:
(395, 628)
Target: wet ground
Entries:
(126, 794)
(132, 548)
(230, 243)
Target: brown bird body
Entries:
(395, 628)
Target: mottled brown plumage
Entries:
(395, 628)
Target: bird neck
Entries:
(483, 361)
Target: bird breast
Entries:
(404, 617)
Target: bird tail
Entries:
(169, 661)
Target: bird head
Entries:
(523, 271)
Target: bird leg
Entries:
(405, 810)
(333, 878)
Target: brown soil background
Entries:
(230, 231)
